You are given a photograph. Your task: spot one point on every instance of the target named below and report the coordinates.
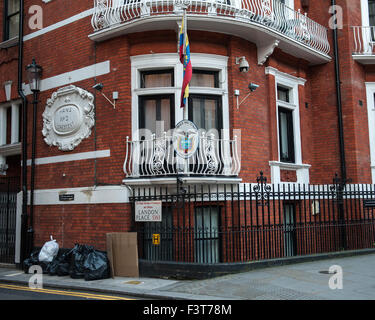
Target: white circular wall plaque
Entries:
(68, 117)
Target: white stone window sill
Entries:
(9, 43)
(302, 171)
(289, 166)
(10, 149)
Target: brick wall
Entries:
(69, 48)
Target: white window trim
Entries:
(302, 170)
(370, 92)
(171, 60)
(14, 147)
(15, 105)
(294, 106)
(366, 33)
(365, 13)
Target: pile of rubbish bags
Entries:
(82, 261)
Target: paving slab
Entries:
(302, 281)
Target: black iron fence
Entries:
(249, 222)
(9, 187)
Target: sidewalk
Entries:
(303, 281)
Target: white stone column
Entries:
(15, 127)
(3, 138)
(3, 126)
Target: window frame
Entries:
(141, 111)
(369, 16)
(291, 83)
(290, 134)
(203, 241)
(219, 108)
(370, 100)
(215, 73)
(6, 17)
(207, 62)
(156, 71)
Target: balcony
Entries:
(155, 160)
(364, 42)
(268, 23)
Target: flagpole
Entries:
(186, 114)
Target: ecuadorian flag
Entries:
(185, 60)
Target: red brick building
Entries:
(89, 143)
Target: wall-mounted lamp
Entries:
(244, 65)
(99, 87)
(252, 87)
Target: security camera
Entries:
(244, 65)
(253, 87)
(98, 86)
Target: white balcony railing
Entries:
(364, 40)
(156, 157)
(270, 14)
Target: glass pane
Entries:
(13, 6)
(155, 80)
(283, 94)
(201, 79)
(284, 135)
(150, 115)
(13, 26)
(206, 248)
(205, 113)
(157, 115)
(165, 115)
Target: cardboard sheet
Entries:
(122, 251)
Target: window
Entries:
(206, 235)
(11, 19)
(153, 109)
(290, 237)
(204, 78)
(287, 129)
(157, 78)
(371, 12)
(205, 109)
(283, 94)
(156, 91)
(285, 110)
(156, 112)
(286, 135)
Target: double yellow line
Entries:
(64, 293)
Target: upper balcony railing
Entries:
(156, 157)
(364, 39)
(269, 14)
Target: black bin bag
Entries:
(78, 256)
(60, 264)
(31, 261)
(96, 266)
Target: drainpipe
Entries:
(339, 103)
(24, 249)
(343, 181)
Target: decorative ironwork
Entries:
(364, 37)
(262, 191)
(239, 223)
(270, 14)
(155, 157)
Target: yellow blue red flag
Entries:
(185, 60)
